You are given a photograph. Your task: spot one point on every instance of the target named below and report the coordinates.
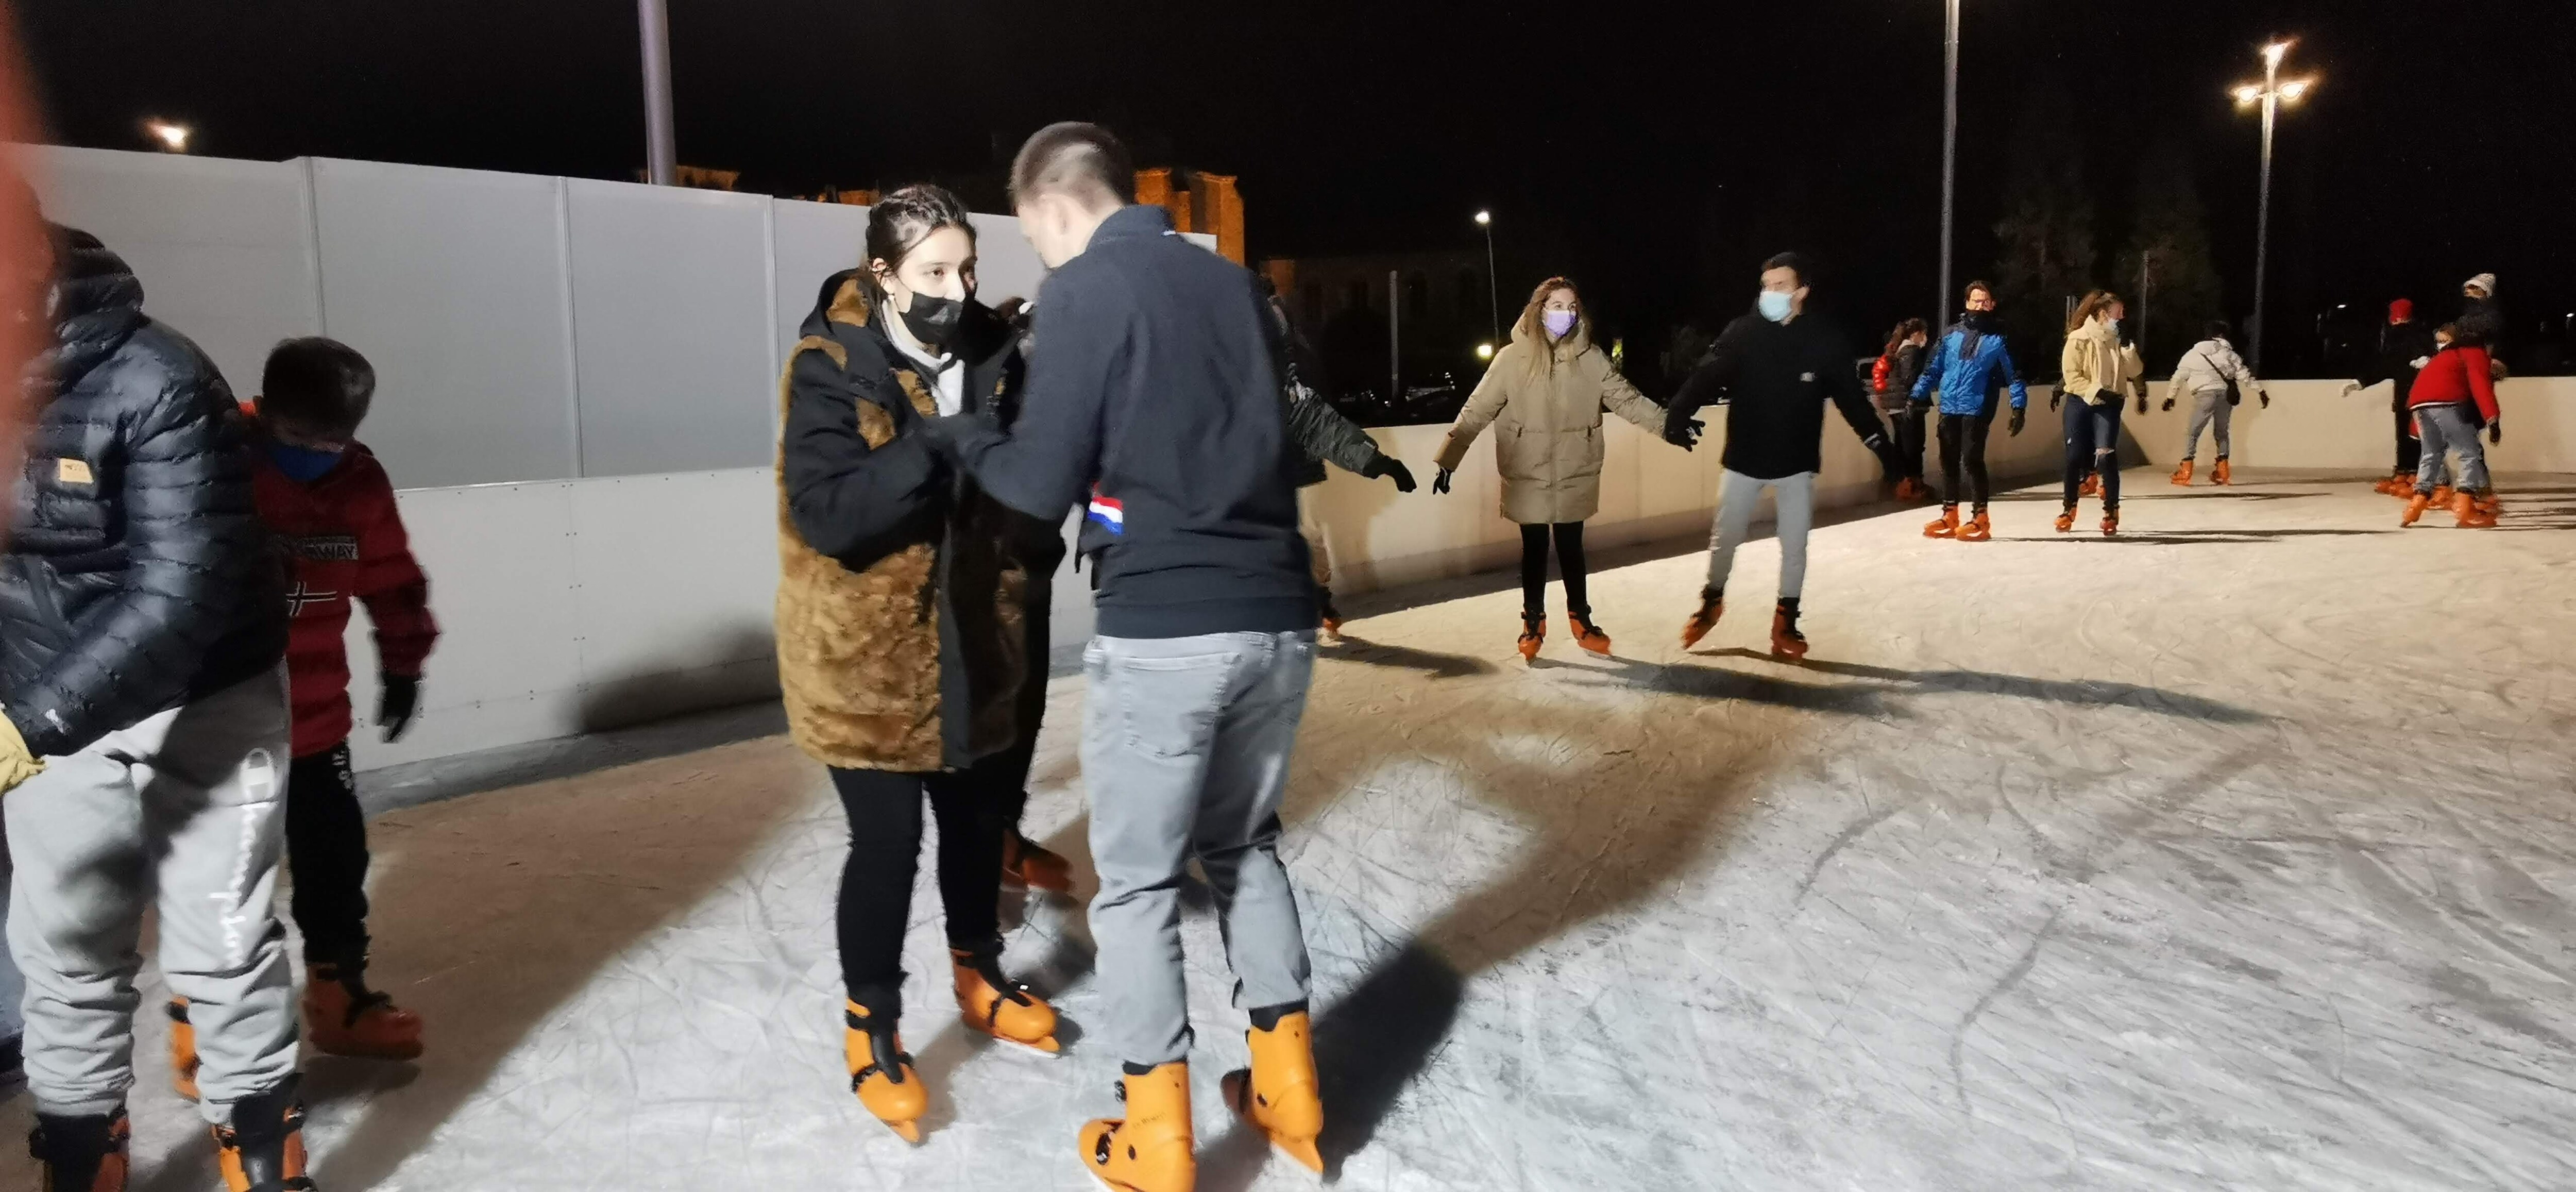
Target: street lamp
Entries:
(2271, 93)
(1949, 160)
(1484, 351)
(173, 138)
(1493, 288)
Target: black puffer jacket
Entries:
(1320, 433)
(137, 575)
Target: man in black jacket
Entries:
(1777, 368)
(142, 635)
(1322, 435)
(2404, 346)
(1155, 389)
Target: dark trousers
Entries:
(1009, 770)
(2410, 450)
(2093, 443)
(1909, 437)
(326, 850)
(1569, 567)
(1963, 455)
(885, 851)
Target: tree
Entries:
(2171, 237)
(2046, 234)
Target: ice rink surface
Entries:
(2236, 852)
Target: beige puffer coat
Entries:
(1545, 408)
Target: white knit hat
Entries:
(2483, 281)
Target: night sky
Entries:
(1655, 151)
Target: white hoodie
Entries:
(2208, 366)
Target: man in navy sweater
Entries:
(1154, 392)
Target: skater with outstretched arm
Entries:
(1544, 396)
(1969, 375)
(1156, 396)
(1777, 368)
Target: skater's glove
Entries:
(1395, 468)
(944, 433)
(2263, 396)
(17, 762)
(2142, 404)
(2495, 431)
(2169, 405)
(2353, 388)
(1440, 483)
(1684, 433)
(397, 704)
(2019, 416)
(2052, 402)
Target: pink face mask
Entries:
(1558, 322)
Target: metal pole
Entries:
(1949, 162)
(2146, 271)
(1394, 343)
(2263, 218)
(1493, 288)
(661, 159)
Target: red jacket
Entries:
(2456, 375)
(346, 539)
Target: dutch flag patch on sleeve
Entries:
(1107, 511)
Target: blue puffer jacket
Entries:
(1967, 376)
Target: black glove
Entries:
(943, 434)
(2052, 401)
(2169, 404)
(2264, 396)
(2495, 431)
(2019, 416)
(397, 704)
(2142, 404)
(1440, 483)
(1395, 468)
(1888, 459)
(1685, 433)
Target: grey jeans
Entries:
(185, 812)
(1737, 494)
(1185, 747)
(2208, 406)
(2449, 428)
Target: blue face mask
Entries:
(1774, 306)
(302, 465)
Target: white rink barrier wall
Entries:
(578, 385)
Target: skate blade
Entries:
(1045, 1046)
(1596, 653)
(1236, 1088)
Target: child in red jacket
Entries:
(2452, 397)
(332, 509)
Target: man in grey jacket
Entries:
(2215, 378)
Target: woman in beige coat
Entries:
(2095, 372)
(1544, 396)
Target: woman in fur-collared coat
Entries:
(902, 619)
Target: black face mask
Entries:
(934, 321)
(1982, 320)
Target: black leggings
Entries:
(1008, 772)
(885, 849)
(1569, 567)
(326, 847)
(1963, 455)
